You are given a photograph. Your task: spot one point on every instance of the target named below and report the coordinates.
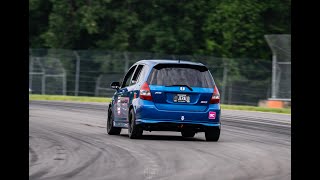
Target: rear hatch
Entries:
(181, 87)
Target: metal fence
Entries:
(47, 75)
(90, 72)
(280, 45)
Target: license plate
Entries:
(181, 98)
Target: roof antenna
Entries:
(178, 59)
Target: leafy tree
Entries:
(38, 21)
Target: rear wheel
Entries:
(187, 133)
(110, 128)
(134, 131)
(212, 134)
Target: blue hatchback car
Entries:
(166, 95)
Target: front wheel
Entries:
(212, 133)
(134, 131)
(110, 128)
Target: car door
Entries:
(126, 94)
(121, 98)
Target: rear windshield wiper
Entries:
(181, 85)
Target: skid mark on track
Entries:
(34, 156)
(78, 169)
(38, 174)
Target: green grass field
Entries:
(102, 99)
(256, 108)
(68, 98)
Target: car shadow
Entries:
(164, 138)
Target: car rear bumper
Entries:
(147, 113)
(145, 121)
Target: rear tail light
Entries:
(215, 99)
(145, 92)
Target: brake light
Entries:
(145, 92)
(215, 99)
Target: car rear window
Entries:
(181, 74)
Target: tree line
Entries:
(222, 28)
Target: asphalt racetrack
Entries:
(69, 141)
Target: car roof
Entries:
(153, 62)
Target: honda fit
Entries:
(166, 95)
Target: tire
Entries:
(212, 134)
(110, 128)
(134, 131)
(188, 133)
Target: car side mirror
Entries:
(115, 85)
